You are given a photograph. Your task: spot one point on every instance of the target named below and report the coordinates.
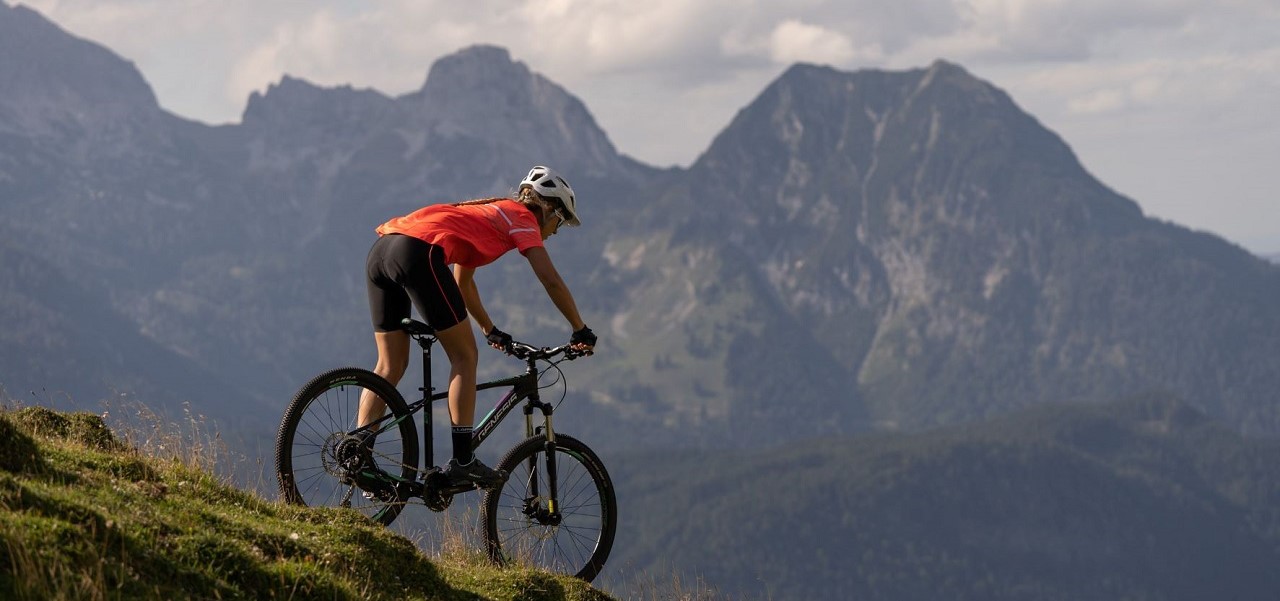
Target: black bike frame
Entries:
(524, 387)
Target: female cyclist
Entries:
(409, 263)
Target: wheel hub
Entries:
(333, 453)
(347, 459)
(536, 510)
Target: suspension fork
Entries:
(549, 448)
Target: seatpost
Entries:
(425, 342)
(428, 434)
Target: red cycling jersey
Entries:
(471, 235)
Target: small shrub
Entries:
(18, 451)
(83, 428)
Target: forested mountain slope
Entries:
(1144, 498)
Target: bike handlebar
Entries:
(516, 349)
(528, 352)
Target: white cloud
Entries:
(615, 34)
(1065, 29)
(260, 66)
(1209, 85)
(312, 47)
(795, 41)
(1100, 101)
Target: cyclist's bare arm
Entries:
(465, 277)
(542, 266)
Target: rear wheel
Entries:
(320, 463)
(573, 536)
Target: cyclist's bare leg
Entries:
(393, 360)
(459, 344)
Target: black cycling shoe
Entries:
(474, 473)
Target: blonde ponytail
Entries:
(541, 207)
(479, 201)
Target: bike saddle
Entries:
(417, 328)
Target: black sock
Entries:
(462, 444)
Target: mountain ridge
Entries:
(922, 217)
(60, 78)
(914, 244)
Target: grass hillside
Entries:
(85, 514)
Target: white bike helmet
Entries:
(549, 184)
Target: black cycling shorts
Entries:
(403, 268)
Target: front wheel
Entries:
(571, 536)
(321, 461)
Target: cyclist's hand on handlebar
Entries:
(498, 339)
(583, 340)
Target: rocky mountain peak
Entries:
(298, 103)
(280, 98)
(476, 68)
(52, 77)
(903, 149)
(480, 92)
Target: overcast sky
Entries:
(1172, 103)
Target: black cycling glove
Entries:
(583, 336)
(498, 337)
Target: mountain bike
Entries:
(556, 510)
